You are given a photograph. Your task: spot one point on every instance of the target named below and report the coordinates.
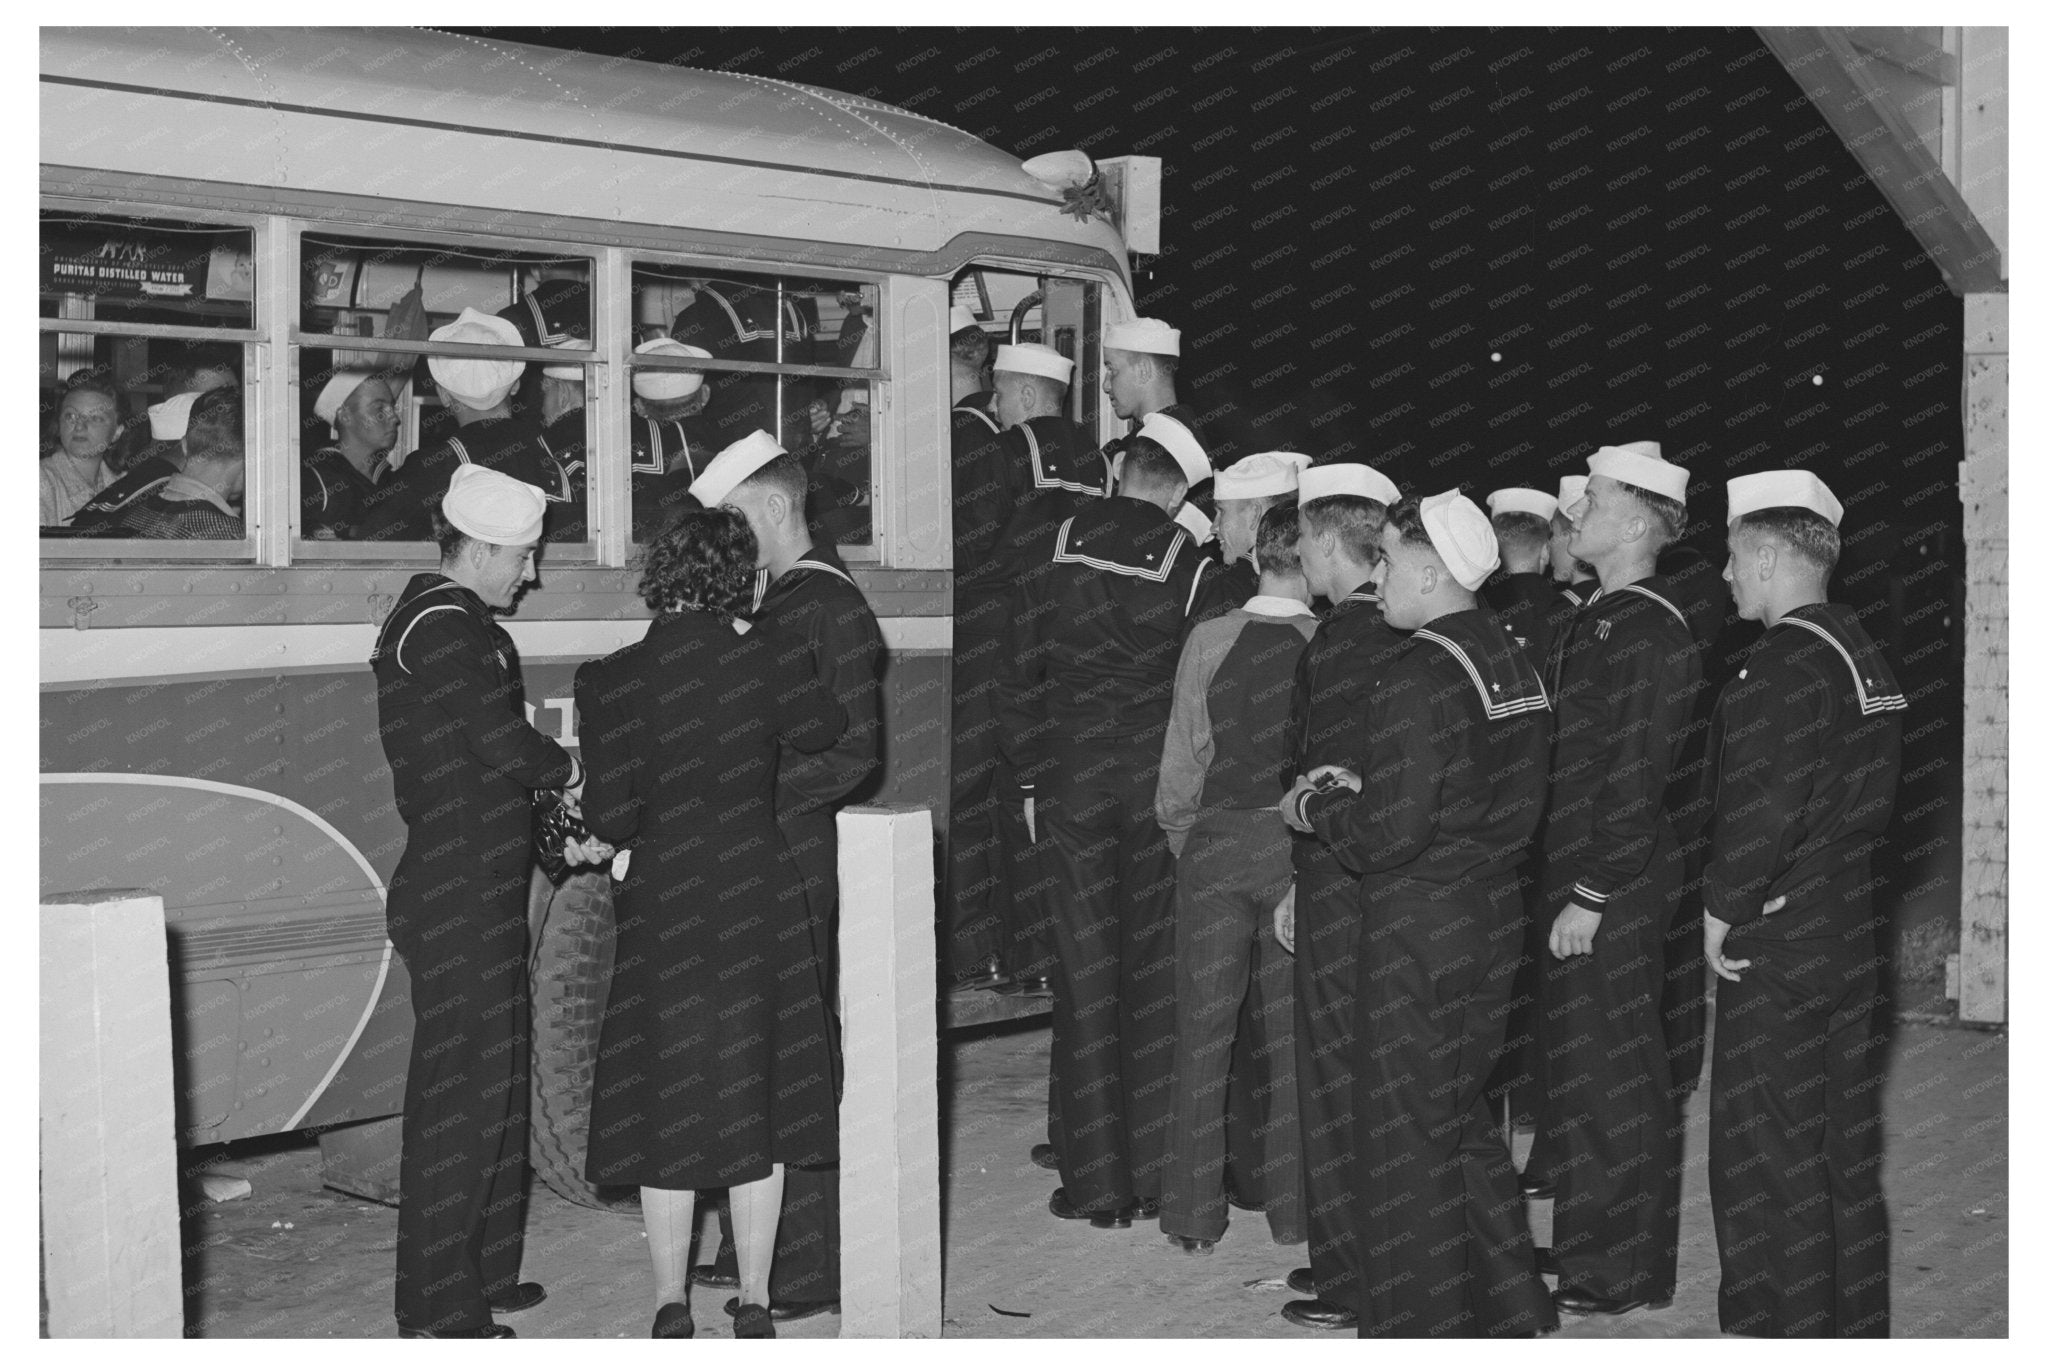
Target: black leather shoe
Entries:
(496, 1331)
(1193, 1246)
(715, 1277)
(1536, 1185)
(1588, 1304)
(1546, 1260)
(1062, 1207)
(754, 1322)
(1319, 1313)
(788, 1310)
(1025, 985)
(518, 1298)
(1302, 1280)
(1044, 1157)
(672, 1321)
(1144, 1208)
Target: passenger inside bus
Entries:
(672, 437)
(361, 411)
(90, 419)
(202, 501)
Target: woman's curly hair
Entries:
(702, 561)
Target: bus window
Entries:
(379, 432)
(723, 353)
(140, 318)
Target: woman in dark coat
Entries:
(712, 1067)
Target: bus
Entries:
(268, 208)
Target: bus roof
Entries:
(426, 117)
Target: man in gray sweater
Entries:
(1220, 785)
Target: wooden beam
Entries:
(112, 1263)
(1901, 49)
(1850, 93)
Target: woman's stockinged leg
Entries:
(669, 1215)
(756, 1214)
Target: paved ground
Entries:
(296, 1260)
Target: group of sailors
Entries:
(1334, 812)
(527, 421)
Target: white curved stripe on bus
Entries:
(310, 817)
(117, 653)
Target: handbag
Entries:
(554, 825)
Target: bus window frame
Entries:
(254, 343)
(882, 449)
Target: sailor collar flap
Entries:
(1122, 540)
(821, 561)
(1653, 588)
(1876, 689)
(1052, 462)
(1500, 672)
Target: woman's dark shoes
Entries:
(1319, 1313)
(672, 1320)
(1302, 1280)
(1193, 1246)
(788, 1310)
(752, 1323)
(1044, 1157)
(1588, 1304)
(518, 1298)
(492, 1331)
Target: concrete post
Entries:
(111, 1256)
(1986, 629)
(889, 1116)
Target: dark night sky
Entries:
(1653, 228)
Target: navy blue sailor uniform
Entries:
(1527, 606)
(332, 492)
(1094, 649)
(744, 322)
(818, 608)
(986, 494)
(1456, 747)
(1805, 754)
(402, 506)
(1333, 684)
(464, 765)
(1053, 471)
(1623, 678)
(1222, 588)
(666, 458)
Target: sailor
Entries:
(1435, 824)
(477, 391)
(977, 945)
(1343, 510)
(1522, 593)
(759, 323)
(1218, 805)
(361, 412)
(672, 438)
(1094, 648)
(1624, 677)
(1245, 492)
(1139, 361)
(1806, 745)
(1574, 577)
(804, 591)
(1053, 470)
(464, 763)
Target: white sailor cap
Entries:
(661, 385)
(1197, 521)
(572, 373)
(1462, 537)
(1534, 501)
(167, 420)
(1777, 488)
(476, 382)
(1267, 474)
(734, 466)
(1640, 464)
(1570, 489)
(1149, 335)
(484, 504)
(1031, 358)
(1173, 435)
(962, 319)
(333, 393)
(1350, 479)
